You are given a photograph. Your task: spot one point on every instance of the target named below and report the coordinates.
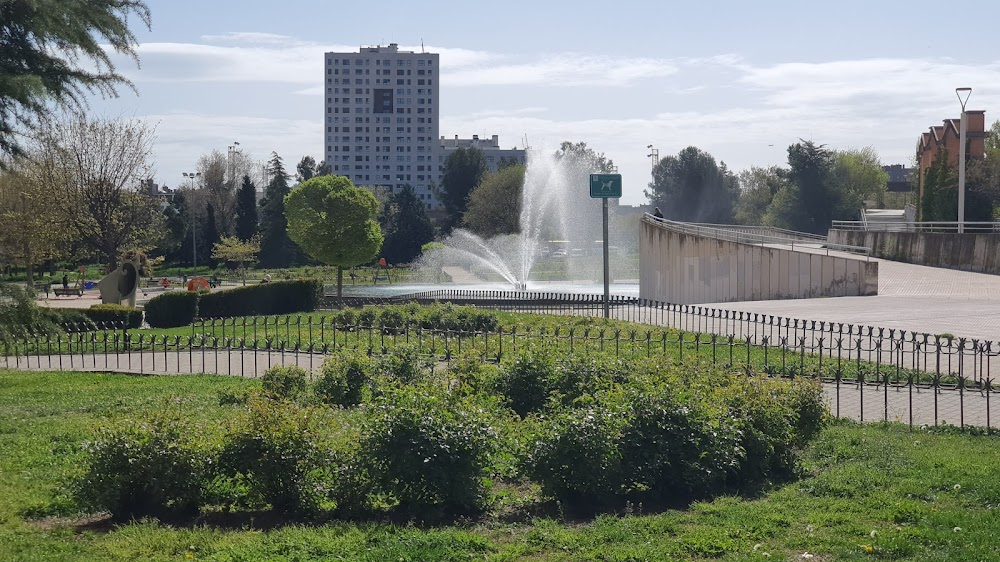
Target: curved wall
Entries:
(682, 268)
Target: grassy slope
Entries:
(876, 478)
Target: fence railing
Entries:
(901, 375)
(923, 226)
(744, 236)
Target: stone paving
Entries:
(910, 297)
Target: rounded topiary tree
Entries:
(334, 222)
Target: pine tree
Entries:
(406, 226)
(246, 210)
(210, 239)
(276, 249)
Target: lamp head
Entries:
(960, 92)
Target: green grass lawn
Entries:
(868, 492)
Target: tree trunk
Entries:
(30, 271)
(340, 287)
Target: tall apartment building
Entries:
(490, 147)
(382, 118)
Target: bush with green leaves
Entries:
(143, 467)
(278, 297)
(172, 309)
(343, 379)
(427, 449)
(525, 382)
(281, 453)
(69, 319)
(116, 315)
(576, 458)
(20, 316)
(284, 381)
(404, 365)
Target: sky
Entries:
(740, 80)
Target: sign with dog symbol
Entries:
(605, 186)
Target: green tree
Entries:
(692, 187)
(406, 226)
(758, 187)
(241, 252)
(29, 212)
(276, 248)
(97, 166)
(591, 161)
(306, 169)
(334, 222)
(463, 171)
(809, 169)
(856, 176)
(246, 210)
(57, 53)
(495, 204)
(212, 236)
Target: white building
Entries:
(490, 147)
(382, 118)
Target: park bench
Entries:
(43, 288)
(67, 291)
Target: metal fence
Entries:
(744, 235)
(868, 373)
(916, 226)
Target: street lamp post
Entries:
(230, 163)
(962, 132)
(194, 228)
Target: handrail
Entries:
(733, 235)
(765, 231)
(924, 226)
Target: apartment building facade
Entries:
(491, 151)
(381, 118)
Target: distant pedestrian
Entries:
(65, 281)
(657, 213)
(266, 279)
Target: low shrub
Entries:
(404, 365)
(69, 319)
(281, 455)
(343, 379)
(278, 297)
(450, 317)
(576, 456)
(172, 309)
(115, 315)
(526, 382)
(284, 382)
(142, 467)
(426, 449)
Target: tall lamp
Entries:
(962, 132)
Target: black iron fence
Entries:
(867, 374)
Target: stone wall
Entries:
(682, 268)
(975, 251)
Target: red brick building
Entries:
(945, 137)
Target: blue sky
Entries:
(742, 80)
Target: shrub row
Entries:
(439, 316)
(115, 314)
(172, 309)
(601, 433)
(180, 308)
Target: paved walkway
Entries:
(461, 276)
(910, 297)
(915, 404)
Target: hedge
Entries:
(116, 314)
(279, 297)
(172, 309)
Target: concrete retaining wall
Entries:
(976, 251)
(682, 268)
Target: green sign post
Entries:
(604, 187)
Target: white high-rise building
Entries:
(382, 118)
